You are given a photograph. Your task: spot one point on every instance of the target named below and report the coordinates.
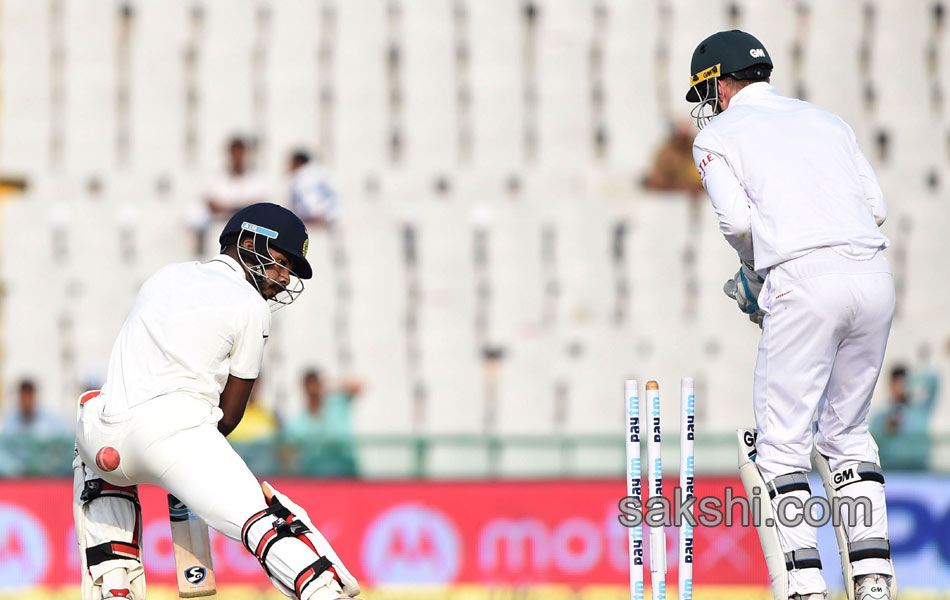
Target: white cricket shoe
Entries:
(117, 593)
(872, 587)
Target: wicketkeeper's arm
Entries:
(729, 200)
(870, 187)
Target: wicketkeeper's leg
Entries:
(845, 453)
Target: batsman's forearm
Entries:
(226, 427)
(234, 399)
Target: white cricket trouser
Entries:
(823, 340)
(173, 442)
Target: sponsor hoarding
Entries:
(510, 532)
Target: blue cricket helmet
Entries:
(282, 229)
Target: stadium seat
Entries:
(505, 293)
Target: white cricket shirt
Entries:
(192, 324)
(786, 177)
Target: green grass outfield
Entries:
(462, 592)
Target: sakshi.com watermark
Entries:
(712, 511)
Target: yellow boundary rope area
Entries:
(461, 592)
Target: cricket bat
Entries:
(192, 551)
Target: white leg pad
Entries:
(108, 523)
(833, 482)
(295, 555)
(768, 536)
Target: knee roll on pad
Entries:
(850, 552)
(296, 569)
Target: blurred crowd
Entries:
(673, 168)
(901, 429)
(307, 191)
(319, 440)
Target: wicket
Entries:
(687, 468)
(655, 487)
(634, 534)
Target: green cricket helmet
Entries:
(736, 54)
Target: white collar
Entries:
(758, 89)
(228, 265)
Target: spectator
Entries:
(901, 429)
(238, 187)
(29, 419)
(311, 196)
(323, 430)
(673, 166)
(258, 424)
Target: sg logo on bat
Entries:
(195, 575)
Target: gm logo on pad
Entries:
(195, 575)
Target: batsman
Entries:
(179, 378)
(802, 207)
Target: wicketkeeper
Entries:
(801, 206)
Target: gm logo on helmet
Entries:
(195, 575)
(757, 53)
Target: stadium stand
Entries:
(497, 269)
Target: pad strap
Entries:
(112, 551)
(308, 575)
(275, 509)
(278, 510)
(282, 529)
(284, 524)
(804, 558)
(869, 548)
(100, 488)
(245, 530)
(855, 472)
(784, 484)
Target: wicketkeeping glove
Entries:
(744, 288)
